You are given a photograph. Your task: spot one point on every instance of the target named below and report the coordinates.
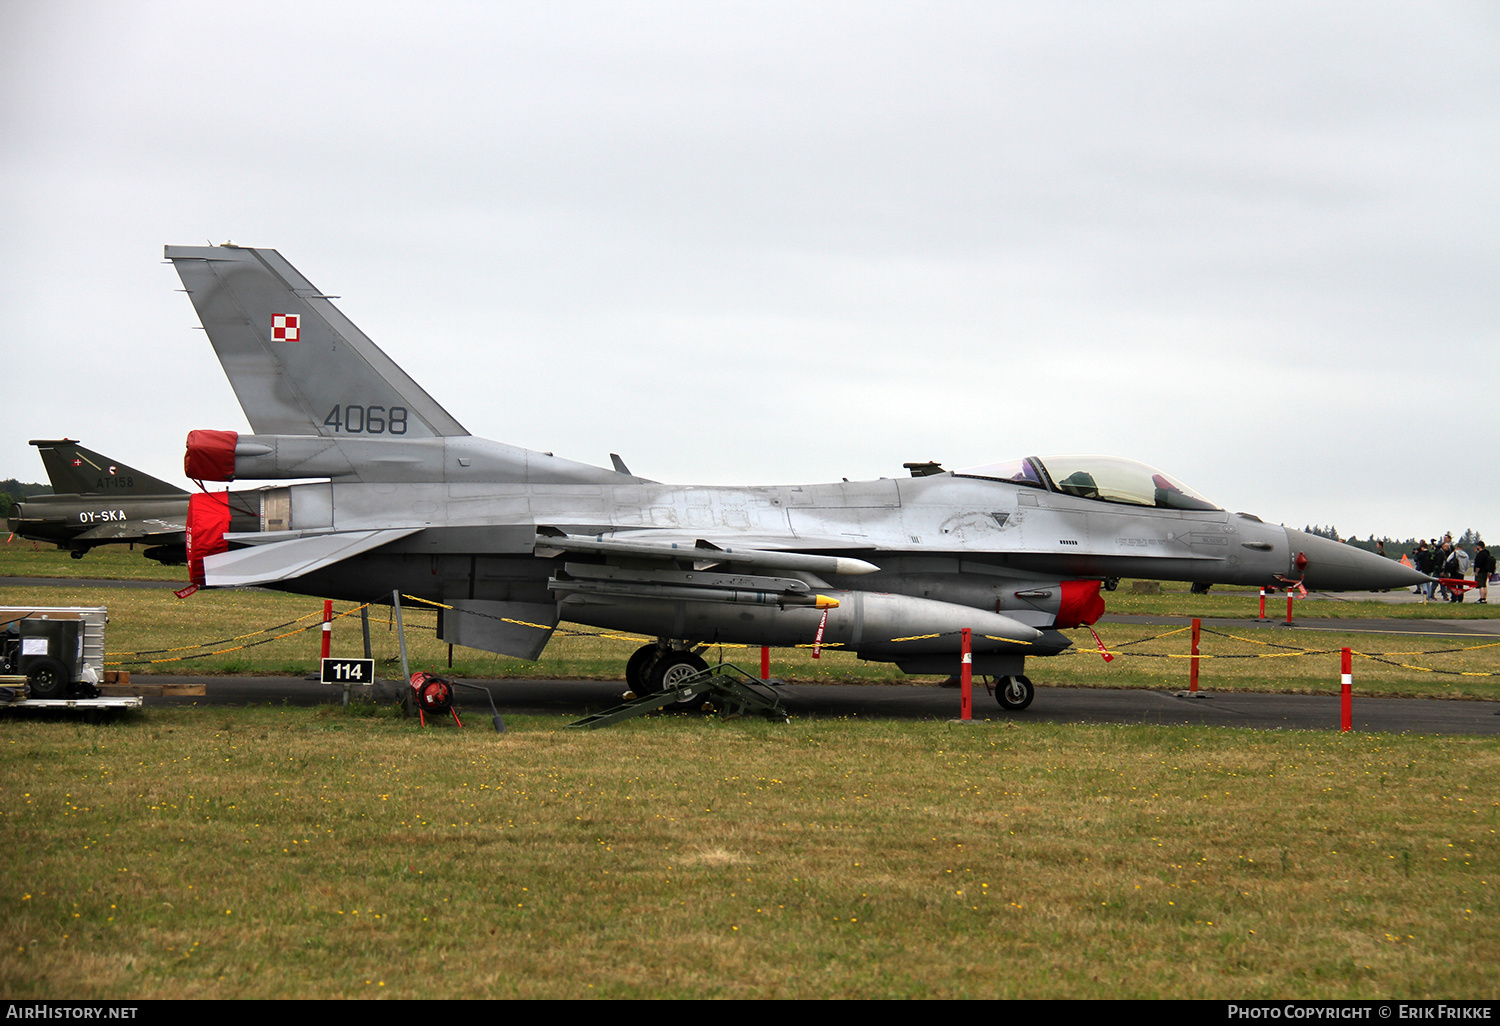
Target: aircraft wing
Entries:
(275, 561)
(130, 530)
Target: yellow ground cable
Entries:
(1375, 658)
(236, 648)
(204, 644)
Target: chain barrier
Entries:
(1118, 649)
(315, 625)
(1293, 652)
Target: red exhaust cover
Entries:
(207, 520)
(1081, 604)
(210, 455)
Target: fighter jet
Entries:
(509, 541)
(100, 501)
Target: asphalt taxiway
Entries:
(574, 698)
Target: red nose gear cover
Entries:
(207, 520)
(1081, 604)
(210, 455)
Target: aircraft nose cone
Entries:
(1335, 566)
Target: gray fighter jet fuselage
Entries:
(509, 541)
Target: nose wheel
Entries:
(1014, 693)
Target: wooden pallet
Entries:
(151, 690)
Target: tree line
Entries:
(1393, 546)
(13, 492)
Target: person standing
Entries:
(1461, 559)
(1484, 565)
(1421, 561)
(1444, 565)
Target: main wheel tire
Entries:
(1014, 693)
(48, 678)
(638, 669)
(673, 668)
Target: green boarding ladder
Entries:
(732, 692)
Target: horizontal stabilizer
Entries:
(284, 560)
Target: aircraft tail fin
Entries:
(74, 470)
(297, 364)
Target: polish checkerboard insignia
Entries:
(286, 327)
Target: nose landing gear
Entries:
(1014, 693)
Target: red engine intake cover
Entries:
(1081, 604)
(207, 522)
(210, 455)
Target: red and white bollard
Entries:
(966, 677)
(1193, 670)
(1262, 603)
(1346, 687)
(327, 627)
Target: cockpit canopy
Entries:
(1106, 478)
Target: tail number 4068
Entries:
(367, 420)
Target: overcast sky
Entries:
(1255, 245)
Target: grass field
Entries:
(317, 853)
(21, 558)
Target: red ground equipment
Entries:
(432, 694)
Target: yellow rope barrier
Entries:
(1287, 651)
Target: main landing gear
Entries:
(652, 668)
